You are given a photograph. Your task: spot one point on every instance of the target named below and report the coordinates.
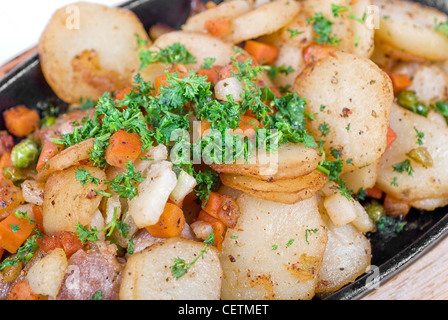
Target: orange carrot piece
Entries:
(219, 228)
(390, 137)
(211, 74)
(316, 52)
(223, 208)
(120, 94)
(375, 192)
(248, 123)
(400, 82)
(22, 291)
(21, 121)
(217, 28)
(170, 224)
(38, 218)
(68, 241)
(261, 52)
(49, 150)
(214, 204)
(13, 232)
(123, 147)
(5, 161)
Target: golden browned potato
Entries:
(46, 275)
(223, 11)
(275, 251)
(423, 182)
(67, 158)
(67, 202)
(200, 45)
(11, 197)
(287, 191)
(409, 30)
(148, 275)
(351, 99)
(263, 20)
(290, 161)
(87, 49)
(347, 256)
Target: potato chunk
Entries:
(148, 275)
(275, 251)
(79, 50)
(45, 276)
(425, 182)
(67, 202)
(265, 19)
(352, 98)
(287, 191)
(409, 29)
(347, 256)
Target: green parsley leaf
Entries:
(323, 28)
(176, 53)
(404, 166)
(125, 184)
(85, 177)
(208, 63)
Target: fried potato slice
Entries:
(347, 256)
(265, 19)
(352, 98)
(275, 251)
(87, 49)
(423, 182)
(408, 29)
(290, 161)
(287, 191)
(223, 11)
(148, 275)
(67, 202)
(200, 45)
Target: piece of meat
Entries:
(92, 270)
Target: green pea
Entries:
(18, 175)
(408, 99)
(375, 210)
(24, 154)
(48, 121)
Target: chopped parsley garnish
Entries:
(86, 235)
(309, 232)
(420, 136)
(273, 71)
(441, 27)
(176, 53)
(85, 177)
(181, 267)
(24, 253)
(290, 242)
(293, 33)
(323, 28)
(23, 215)
(337, 9)
(208, 63)
(404, 166)
(442, 108)
(394, 182)
(125, 184)
(324, 129)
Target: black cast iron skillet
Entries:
(26, 85)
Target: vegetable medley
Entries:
(250, 155)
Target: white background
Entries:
(23, 21)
